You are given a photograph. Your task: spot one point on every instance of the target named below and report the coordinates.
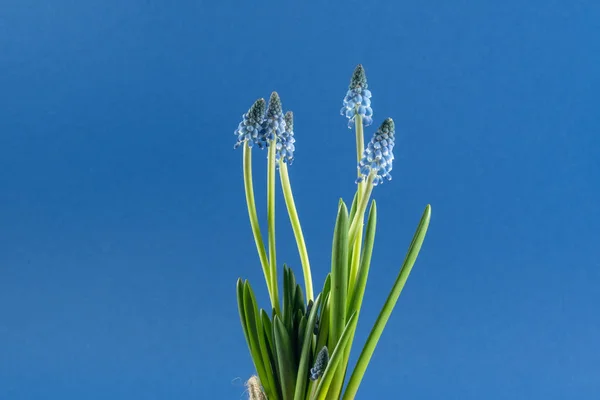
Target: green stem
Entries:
(360, 139)
(356, 244)
(388, 307)
(271, 223)
(362, 207)
(258, 240)
(297, 228)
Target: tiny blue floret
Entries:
(358, 99)
(378, 156)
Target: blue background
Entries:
(123, 225)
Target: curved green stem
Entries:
(271, 223)
(297, 228)
(260, 246)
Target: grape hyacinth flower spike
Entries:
(374, 165)
(273, 126)
(378, 156)
(320, 364)
(290, 339)
(249, 130)
(285, 142)
(358, 99)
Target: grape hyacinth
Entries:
(249, 130)
(378, 156)
(320, 364)
(291, 338)
(285, 141)
(358, 99)
(308, 310)
(273, 125)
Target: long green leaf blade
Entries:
(334, 360)
(339, 275)
(242, 312)
(285, 351)
(365, 262)
(388, 307)
(303, 366)
(270, 343)
(259, 350)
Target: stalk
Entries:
(271, 224)
(258, 240)
(297, 228)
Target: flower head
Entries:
(274, 123)
(358, 99)
(320, 364)
(378, 156)
(285, 141)
(250, 127)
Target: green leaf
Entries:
(287, 298)
(334, 360)
(326, 285)
(300, 335)
(259, 350)
(304, 365)
(365, 262)
(299, 300)
(339, 275)
(285, 351)
(323, 334)
(324, 323)
(354, 205)
(242, 312)
(270, 343)
(296, 333)
(340, 269)
(388, 307)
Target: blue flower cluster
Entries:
(274, 123)
(320, 364)
(249, 130)
(285, 142)
(260, 127)
(378, 156)
(358, 99)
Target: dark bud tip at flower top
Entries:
(358, 99)
(274, 108)
(378, 156)
(320, 364)
(250, 127)
(359, 78)
(289, 120)
(274, 123)
(309, 308)
(285, 142)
